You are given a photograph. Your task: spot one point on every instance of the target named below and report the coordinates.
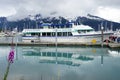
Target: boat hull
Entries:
(69, 39)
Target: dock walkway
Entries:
(111, 45)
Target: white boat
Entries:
(2, 34)
(115, 38)
(75, 34)
(117, 33)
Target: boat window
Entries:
(53, 33)
(35, 34)
(59, 34)
(69, 34)
(89, 30)
(43, 34)
(39, 34)
(79, 31)
(49, 34)
(64, 33)
(32, 34)
(84, 31)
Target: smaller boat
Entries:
(115, 38)
(2, 34)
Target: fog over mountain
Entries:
(18, 9)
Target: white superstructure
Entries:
(74, 34)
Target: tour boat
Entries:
(74, 34)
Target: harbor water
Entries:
(60, 63)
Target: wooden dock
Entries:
(52, 44)
(111, 45)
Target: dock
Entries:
(110, 45)
(48, 44)
(114, 45)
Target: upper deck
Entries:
(49, 29)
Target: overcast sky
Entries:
(17, 9)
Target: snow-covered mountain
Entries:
(89, 16)
(31, 21)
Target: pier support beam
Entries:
(102, 36)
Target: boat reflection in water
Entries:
(64, 55)
(114, 53)
(61, 63)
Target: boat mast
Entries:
(111, 26)
(105, 26)
(102, 28)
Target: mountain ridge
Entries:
(35, 21)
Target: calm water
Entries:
(62, 63)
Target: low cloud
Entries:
(67, 8)
(109, 13)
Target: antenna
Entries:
(111, 26)
(36, 24)
(106, 25)
(98, 27)
(101, 25)
(4, 25)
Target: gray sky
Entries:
(17, 9)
